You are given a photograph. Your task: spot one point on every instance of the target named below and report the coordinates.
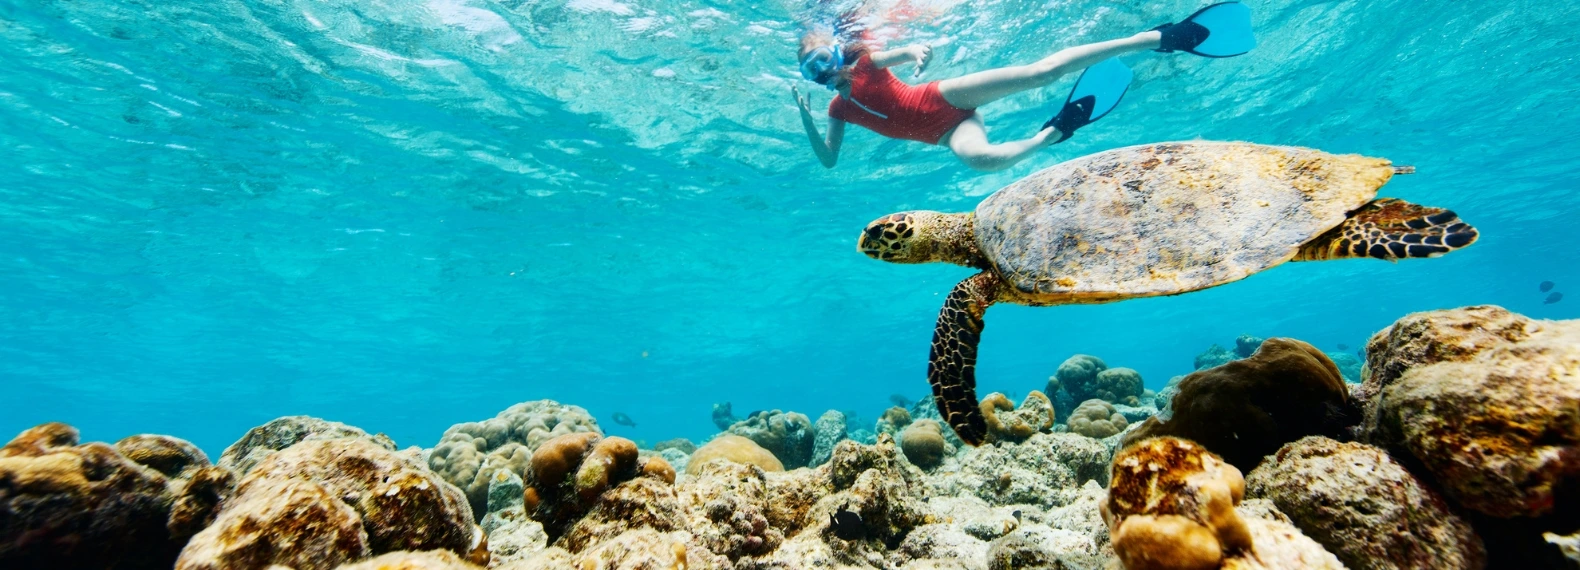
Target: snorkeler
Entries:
(945, 112)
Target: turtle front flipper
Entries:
(951, 368)
(1391, 229)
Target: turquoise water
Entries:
(403, 215)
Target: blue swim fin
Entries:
(1096, 93)
(1219, 30)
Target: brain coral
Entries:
(1171, 505)
(570, 474)
(468, 453)
(1097, 419)
(1119, 386)
(1247, 409)
(787, 435)
(1077, 375)
(734, 448)
(923, 443)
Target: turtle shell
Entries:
(1166, 218)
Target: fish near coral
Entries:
(622, 419)
(847, 525)
(1553, 298)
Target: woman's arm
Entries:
(827, 151)
(921, 54)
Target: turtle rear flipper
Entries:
(951, 367)
(1391, 229)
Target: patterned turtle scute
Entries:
(1113, 225)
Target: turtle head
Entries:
(921, 237)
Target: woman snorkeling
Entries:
(945, 112)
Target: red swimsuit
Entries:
(895, 109)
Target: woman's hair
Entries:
(818, 37)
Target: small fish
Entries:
(1553, 298)
(1343, 346)
(847, 525)
(622, 419)
(900, 400)
(1545, 286)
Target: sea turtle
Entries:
(1143, 221)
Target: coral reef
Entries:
(892, 421)
(280, 433)
(638, 503)
(1005, 422)
(684, 445)
(1247, 409)
(727, 506)
(829, 430)
(678, 460)
(407, 560)
(468, 453)
(64, 505)
(733, 448)
(1349, 365)
(1364, 507)
(170, 456)
(1097, 419)
(1214, 357)
(322, 502)
(1118, 386)
(512, 535)
(923, 443)
(1046, 470)
(1485, 399)
(1246, 345)
(787, 435)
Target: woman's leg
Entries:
(970, 143)
(983, 87)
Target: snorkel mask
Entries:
(820, 65)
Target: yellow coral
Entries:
(923, 443)
(1171, 506)
(734, 448)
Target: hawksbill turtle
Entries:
(1144, 221)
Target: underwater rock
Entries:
(867, 437)
(923, 443)
(1247, 409)
(678, 460)
(280, 433)
(286, 522)
(171, 456)
(733, 448)
(875, 485)
(570, 474)
(407, 560)
(468, 453)
(892, 421)
(787, 435)
(198, 502)
(1349, 366)
(1136, 414)
(512, 535)
(1164, 401)
(1077, 376)
(1007, 423)
(1097, 419)
(1364, 507)
(727, 509)
(69, 506)
(723, 417)
(1039, 547)
(393, 500)
(1045, 470)
(1484, 399)
(1214, 357)
(938, 543)
(639, 503)
(1276, 544)
(1246, 345)
(829, 430)
(1171, 505)
(684, 445)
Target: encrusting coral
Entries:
(581, 487)
(923, 443)
(1247, 409)
(1171, 505)
(1096, 419)
(468, 453)
(280, 433)
(787, 435)
(1365, 508)
(1007, 423)
(1486, 400)
(68, 506)
(734, 448)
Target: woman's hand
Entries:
(802, 101)
(924, 55)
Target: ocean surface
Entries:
(407, 214)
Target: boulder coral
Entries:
(1005, 422)
(1171, 505)
(321, 502)
(736, 449)
(1247, 409)
(576, 474)
(923, 443)
(280, 433)
(468, 453)
(1485, 400)
(1076, 376)
(787, 435)
(1097, 419)
(830, 429)
(893, 420)
(1118, 386)
(1365, 508)
(65, 505)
